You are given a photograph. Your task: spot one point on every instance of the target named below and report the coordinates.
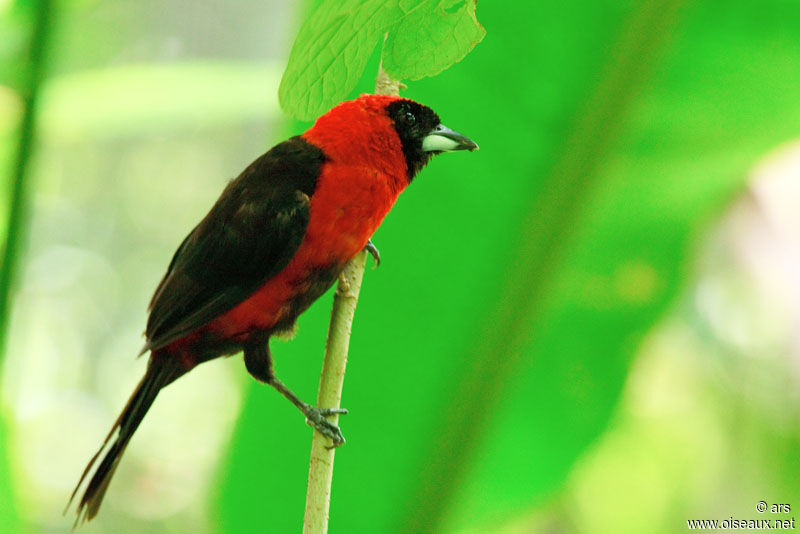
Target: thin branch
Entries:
(320, 466)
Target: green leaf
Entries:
(333, 46)
(330, 53)
(432, 36)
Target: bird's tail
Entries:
(158, 375)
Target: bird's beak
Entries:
(443, 139)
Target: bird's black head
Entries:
(422, 135)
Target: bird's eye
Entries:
(410, 118)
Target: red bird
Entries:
(274, 242)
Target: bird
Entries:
(274, 242)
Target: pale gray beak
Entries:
(443, 139)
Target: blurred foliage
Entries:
(165, 98)
(9, 114)
(139, 132)
(423, 37)
(145, 122)
(16, 25)
(672, 173)
(9, 504)
(32, 75)
(29, 66)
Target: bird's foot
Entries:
(317, 417)
(373, 251)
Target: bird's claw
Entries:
(327, 412)
(373, 251)
(316, 417)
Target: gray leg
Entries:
(259, 363)
(315, 417)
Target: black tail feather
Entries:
(157, 376)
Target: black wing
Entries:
(249, 235)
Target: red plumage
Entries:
(354, 192)
(275, 241)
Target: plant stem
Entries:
(320, 465)
(18, 194)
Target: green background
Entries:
(567, 332)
